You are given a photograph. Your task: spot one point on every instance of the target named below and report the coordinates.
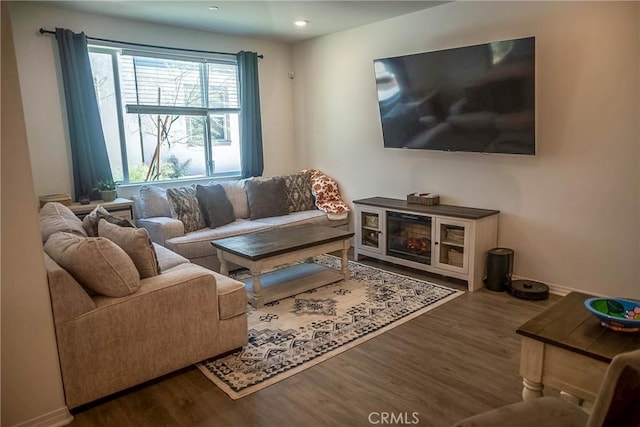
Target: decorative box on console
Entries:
(428, 199)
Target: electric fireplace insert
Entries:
(409, 237)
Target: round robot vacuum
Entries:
(528, 289)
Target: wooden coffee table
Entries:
(566, 348)
(264, 250)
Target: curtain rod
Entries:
(43, 31)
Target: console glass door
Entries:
(452, 246)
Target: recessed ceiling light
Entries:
(214, 8)
(301, 23)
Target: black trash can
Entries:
(499, 269)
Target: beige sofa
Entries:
(183, 315)
(152, 210)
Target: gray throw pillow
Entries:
(298, 189)
(266, 198)
(216, 207)
(185, 207)
(154, 202)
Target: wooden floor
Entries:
(454, 361)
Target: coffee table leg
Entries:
(224, 267)
(256, 291)
(344, 262)
(531, 389)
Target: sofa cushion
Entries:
(68, 298)
(215, 206)
(315, 217)
(237, 195)
(198, 243)
(167, 259)
(136, 243)
(154, 202)
(56, 217)
(185, 207)
(298, 190)
(266, 198)
(90, 222)
(95, 262)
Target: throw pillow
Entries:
(237, 195)
(95, 262)
(136, 243)
(298, 189)
(185, 208)
(90, 222)
(154, 202)
(216, 207)
(56, 217)
(266, 198)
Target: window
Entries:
(167, 116)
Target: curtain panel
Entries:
(88, 149)
(251, 152)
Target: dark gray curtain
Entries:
(251, 157)
(88, 150)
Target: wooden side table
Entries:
(119, 207)
(566, 348)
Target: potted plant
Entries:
(107, 189)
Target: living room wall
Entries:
(571, 213)
(31, 384)
(43, 93)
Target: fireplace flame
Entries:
(419, 246)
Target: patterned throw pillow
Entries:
(185, 207)
(298, 189)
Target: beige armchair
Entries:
(617, 404)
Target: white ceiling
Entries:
(271, 20)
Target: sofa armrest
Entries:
(170, 323)
(68, 297)
(162, 228)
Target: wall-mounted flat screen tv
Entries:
(476, 98)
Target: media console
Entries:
(449, 240)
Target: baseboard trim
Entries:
(560, 290)
(59, 417)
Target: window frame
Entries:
(114, 50)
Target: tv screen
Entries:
(476, 98)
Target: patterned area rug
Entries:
(296, 333)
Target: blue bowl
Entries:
(616, 313)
